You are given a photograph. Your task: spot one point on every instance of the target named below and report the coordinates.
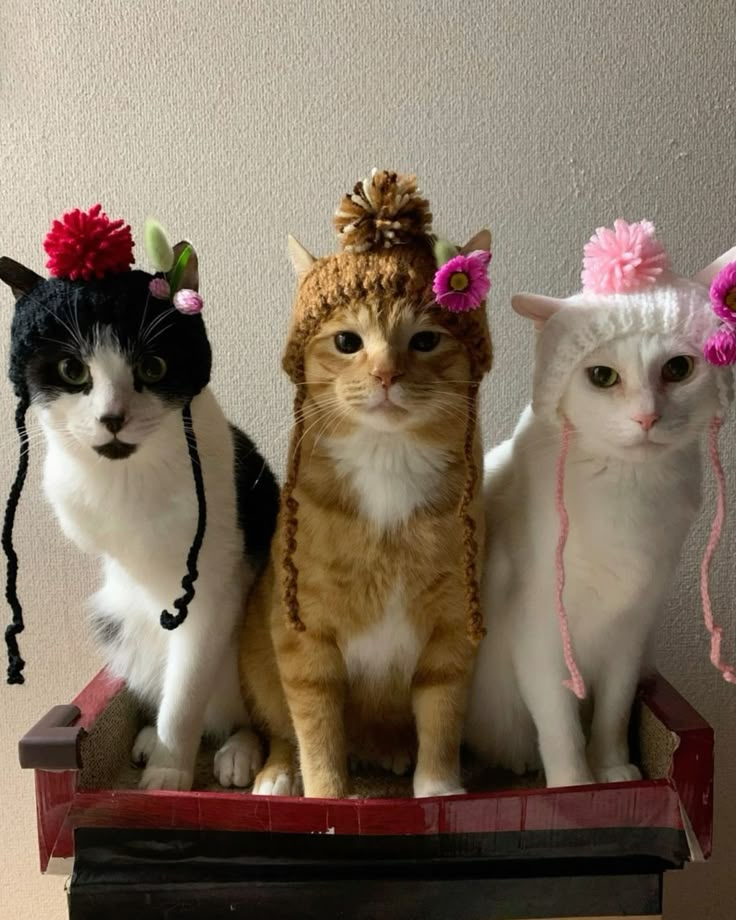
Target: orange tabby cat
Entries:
(360, 643)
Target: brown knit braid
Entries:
(291, 520)
(476, 630)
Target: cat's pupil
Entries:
(678, 369)
(73, 372)
(151, 369)
(424, 341)
(348, 342)
(603, 377)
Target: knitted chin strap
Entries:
(168, 620)
(576, 682)
(15, 661)
(714, 630)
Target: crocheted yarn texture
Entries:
(385, 233)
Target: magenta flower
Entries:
(720, 349)
(159, 288)
(188, 301)
(723, 293)
(462, 283)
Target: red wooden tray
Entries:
(528, 821)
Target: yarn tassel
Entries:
(715, 631)
(575, 683)
(168, 620)
(15, 661)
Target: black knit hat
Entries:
(94, 288)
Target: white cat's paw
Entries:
(164, 771)
(144, 744)
(569, 778)
(239, 759)
(623, 773)
(424, 787)
(170, 778)
(280, 782)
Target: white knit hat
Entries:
(628, 288)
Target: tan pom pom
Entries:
(383, 210)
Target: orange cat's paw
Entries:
(424, 787)
(277, 780)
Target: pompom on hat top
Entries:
(90, 257)
(628, 287)
(388, 253)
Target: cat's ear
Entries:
(189, 277)
(536, 307)
(20, 280)
(481, 240)
(708, 274)
(301, 259)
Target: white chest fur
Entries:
(389, 647)
(392, 474)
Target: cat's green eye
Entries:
(678, 369)
(73, 372)
(603, 377)
(151, 369)
(348, 342)
(424, 341)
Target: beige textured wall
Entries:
(237, 122)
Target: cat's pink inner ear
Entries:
(482, 240)
(190, 275)
(536, 307)
(709, 272)
(301, 259)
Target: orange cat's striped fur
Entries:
(381, 670)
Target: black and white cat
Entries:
(108, 378)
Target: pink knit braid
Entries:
(715, 535)
(576, 682)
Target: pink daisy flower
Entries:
(723, 293)
(462, 283)
(720, 349)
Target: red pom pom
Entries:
(87, 244)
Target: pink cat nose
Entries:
(386, 375)
(647, 420)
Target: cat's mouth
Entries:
(116, 450)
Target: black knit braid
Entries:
(168, 620)
(15, 662)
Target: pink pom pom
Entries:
(159, 288)
(720, 349)
(624, 259)
(188, 301)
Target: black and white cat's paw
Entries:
(620, 773)
(239, 759)
(143, 745)
(162, 770)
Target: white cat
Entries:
(627, 373)
(108, 379)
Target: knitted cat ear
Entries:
(536, 307)
(481, 241)
(301, 259)
(20, 280)
(705, 276)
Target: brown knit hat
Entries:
(387, 254)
